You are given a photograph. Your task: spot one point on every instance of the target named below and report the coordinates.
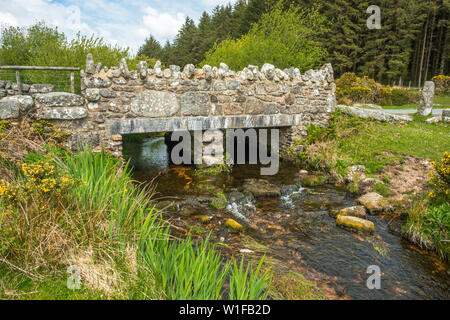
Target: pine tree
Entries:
(151, 48)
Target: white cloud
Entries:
(27, 12)
(125, 23)
(7, 18)
(161, 25)
(213, 3)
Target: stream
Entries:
(296, 227)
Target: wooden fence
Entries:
(19, 68)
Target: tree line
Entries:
(411, 46)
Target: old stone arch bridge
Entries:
(116, 101)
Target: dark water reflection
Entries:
(303, 226)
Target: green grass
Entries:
(375, 144)
(107, 215)
(428, 226)
(292, 285)
(19, 287)
(443, 100)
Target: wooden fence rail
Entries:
(18, 68)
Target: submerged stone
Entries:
(313, 180)
(236, 226)
(205, 219)
(355, 223)
(356, 211)
(261, 188)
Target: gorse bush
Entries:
(442, 83)
(353, 89)
(440, 179)
(285, 38)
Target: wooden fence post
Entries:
(72, 82)
(19, 83)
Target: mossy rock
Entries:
(356, 211)
(261, 188)
(374, 202)
(220, 202)
(314, 180)
(355, 223)
(236, 226)
(205, 219)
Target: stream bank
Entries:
(292, 225)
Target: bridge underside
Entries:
(149, 125)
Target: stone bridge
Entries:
(116, 101)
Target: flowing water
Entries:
(297, 227)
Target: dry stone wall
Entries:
(9, 88)
(116, 101)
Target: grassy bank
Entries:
(66, 215)
(351, 141)
(378, 145)
(443, 100)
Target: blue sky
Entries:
(126, 23)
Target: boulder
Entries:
(374, 202)
(356, 211)
(189, 70)
(355, 223)
(426, 99)
(71, 113)
(356, 173)
(98, 82)
(234, 85)
(59, 99)
(366, 185)
(155, 104)
(434, 120)
(261, 188)
(195, 104)
(446, 115)
(92, 94)
(9, 109)
(268, 70)
(376, 114)
(25, 103)
(41, 88)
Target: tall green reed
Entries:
(184, 269)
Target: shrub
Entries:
(41, 45)
(440, 179)
(284, 38)
(442, 83)
(436, 225)
(353, 89)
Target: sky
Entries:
(125, 23)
